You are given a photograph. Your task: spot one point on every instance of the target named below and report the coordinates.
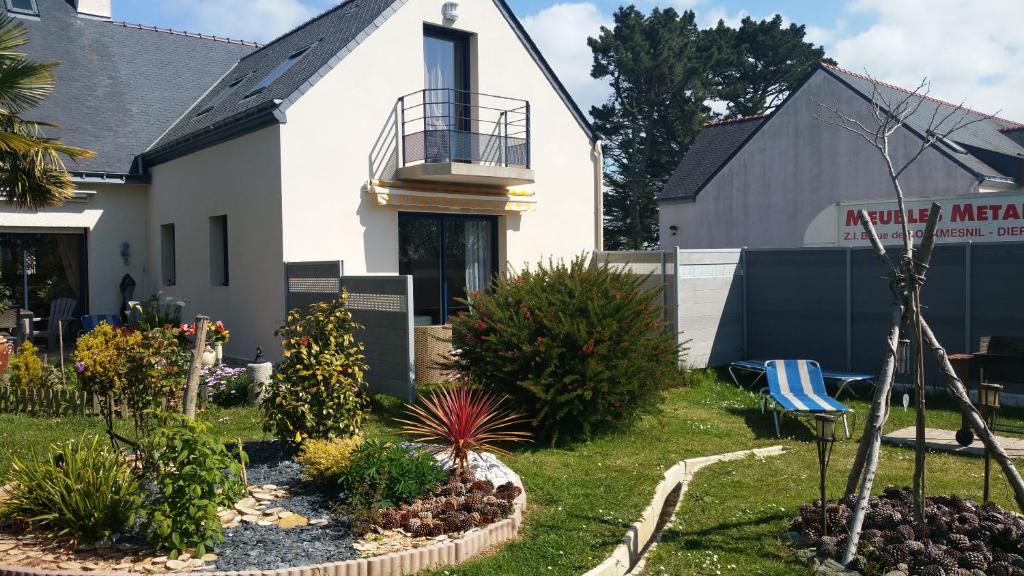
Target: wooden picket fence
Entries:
(52, 402)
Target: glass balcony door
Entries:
(446, 97)
(449, 257)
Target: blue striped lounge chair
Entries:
(797, 387)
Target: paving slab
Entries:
(945, 441)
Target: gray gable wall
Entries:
(710, 150)
(792, 168)
(119, 87)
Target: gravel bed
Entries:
(253, 547)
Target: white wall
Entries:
(240, 178)
(114, 215)
(794, 167)
(330, 131)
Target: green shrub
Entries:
(188, 474)
(324, 460)
(142, 369)
(388, 473)
(318, 389)
(578, 348)
(80, 490)
(25, 369)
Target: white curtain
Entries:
(478, 255)
(437, 75)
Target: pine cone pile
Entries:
(456, 506)
(957, 537)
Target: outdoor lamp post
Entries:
(825, 435)
(988, 401)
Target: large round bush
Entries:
(578, 348)
(318, 389)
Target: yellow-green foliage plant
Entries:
(81, 490)
(324, 460)
(25, 369)
(318, 390)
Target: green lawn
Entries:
(583, 497)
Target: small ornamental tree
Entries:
(577, 348)
(318, 389)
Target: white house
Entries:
(414, 137)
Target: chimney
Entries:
(94, 8)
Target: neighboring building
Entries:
(787, 179)
(397, 136)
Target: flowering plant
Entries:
(227, 386)
(218, 333)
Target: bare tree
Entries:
(889, 114)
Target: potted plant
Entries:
(218, 336)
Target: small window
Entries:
(221, 95)
(219, 251)
(278, 72)
(23, 7)
(167, 258)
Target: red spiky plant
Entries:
(463, 419)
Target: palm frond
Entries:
(12, 36)
(23, 83)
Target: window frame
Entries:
(222, 95)
(34, 11)
(219, 225)
(168, 255)
(443, 218)
(278, 71)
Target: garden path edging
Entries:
(393, 564)
(642, 532)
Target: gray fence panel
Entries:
(997, 291)
(658, 266)
(796, 305)
(311, 282)
(383, 305)
(870, 311)
(711, 306)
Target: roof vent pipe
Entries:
(450, 12)
(94, 8)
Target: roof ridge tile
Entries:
(736, 120)
(185, 33)
(924, 96)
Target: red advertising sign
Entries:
(977, 218)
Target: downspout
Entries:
(598, 195)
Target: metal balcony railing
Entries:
(447, 125)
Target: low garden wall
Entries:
(676, 479)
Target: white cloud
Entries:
(561, 33)
(259, 20)
(970, 51)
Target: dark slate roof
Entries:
(120, 86)
(710, 151)
(325, 35)
(327, 39)
(989, 146)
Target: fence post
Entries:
(746, 271)
(849, 310)
(968, 277)
(192, 384)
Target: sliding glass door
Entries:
(36, 269)
(449, 257)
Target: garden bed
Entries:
(284, 522)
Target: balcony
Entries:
(448, 135)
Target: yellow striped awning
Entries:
(428, 195)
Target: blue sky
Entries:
(972, 51)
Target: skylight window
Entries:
(22, 7)
(221, 95)
(278, 72)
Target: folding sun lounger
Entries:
(797, 387)
(758, 367)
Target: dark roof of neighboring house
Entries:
(994, 147)
(711, 150)
(326, 39)
(119, 85)
(985, 140)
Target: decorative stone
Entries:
(285, 514)
(185, 557)
(318, 521)
(208, 557)
(293, 521)
(159, 560)
(176, 565)
(263, 496)
(269, 487)
(251, 518)
(264, 523)
(4, 547)
(68, 565)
